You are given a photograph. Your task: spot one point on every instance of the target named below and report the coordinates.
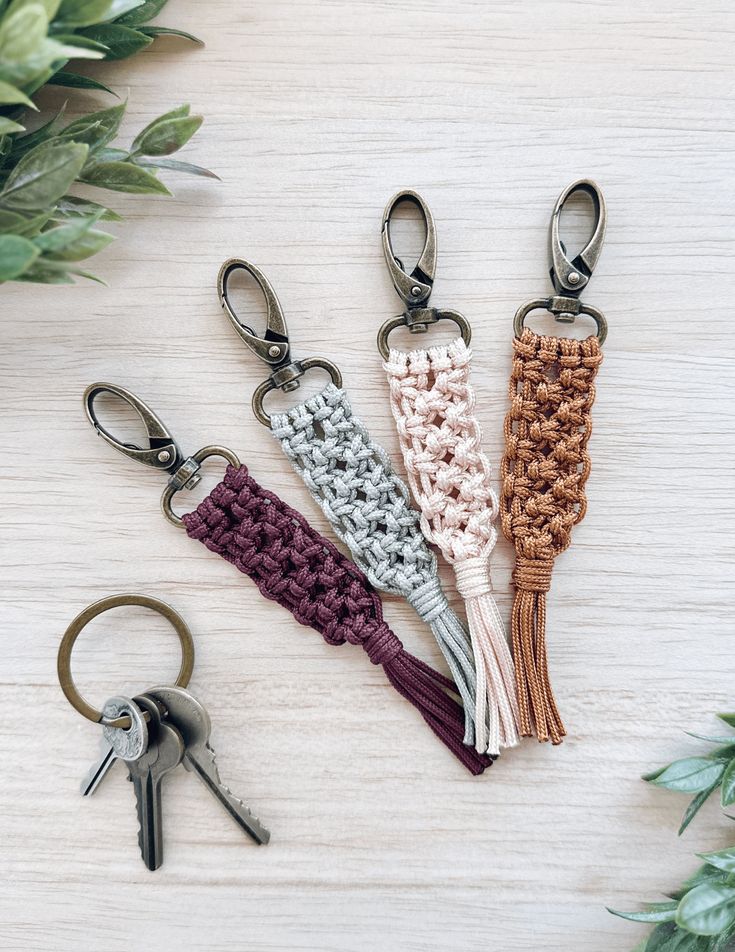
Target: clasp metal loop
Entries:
(163, 451)
(273, 347)
(570, 277)
(414, 288)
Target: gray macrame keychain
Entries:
(352, 480)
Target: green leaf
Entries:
(689, 775)
(661, 937)
(22, 33)
(32, 139)
(60, 237)
(9, 95)
(72, 207)
(118, 8)
(96, 129)
(656, 912)
(76, 39)
(50, 6)
(712, 740)
(727, 793)
(75, 81)
(705, 874)
(11, 221)
(695, 805)
(175, 166)
(16, 255)
(120, 40)
(25, 227)
(708, 909)
(41, 273)
(729, 719)
(124, 177)
(81, 12)
(91, 242)
(142, 14)
(176, 113)
(722, 859)
(167, 136)
(8, 127)
(110, 155)
(154, 31)
(43, 175)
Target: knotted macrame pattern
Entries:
(293, 564)
(352, 479)
(544, 471)
(433, 405)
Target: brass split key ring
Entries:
(71, 634)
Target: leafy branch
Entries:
(45, 230)
(699, 917)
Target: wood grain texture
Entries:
(317, 110)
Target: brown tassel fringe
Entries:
(536, 701)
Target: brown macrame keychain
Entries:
(546, 464)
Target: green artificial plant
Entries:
(45, 228)
(700, 916)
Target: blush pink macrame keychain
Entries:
(433, 404)
(291, 563)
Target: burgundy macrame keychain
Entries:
(546, 464)
(291, 563)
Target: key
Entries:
(99, 770)
(165, 752)
(117, 742)
(192, 720)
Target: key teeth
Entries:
(263, 833)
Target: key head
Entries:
(166, 739)
(132, 742)
(186, 713)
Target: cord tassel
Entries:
(432, 607)
(497, 707)
(537, 705)
(294, 565)
(419, 684)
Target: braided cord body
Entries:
(293, 564)
(433, 405)
(543, 472)
(352, 480)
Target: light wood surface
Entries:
(316, 112)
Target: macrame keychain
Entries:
(291, 563)
(433, 404)
(352, 479)
(546, 464)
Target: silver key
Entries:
(99, 770)
(190, 717)
(164, 754)
(127, 743)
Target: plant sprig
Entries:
(46, 230)
(700, 917)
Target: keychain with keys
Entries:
(153, 733)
